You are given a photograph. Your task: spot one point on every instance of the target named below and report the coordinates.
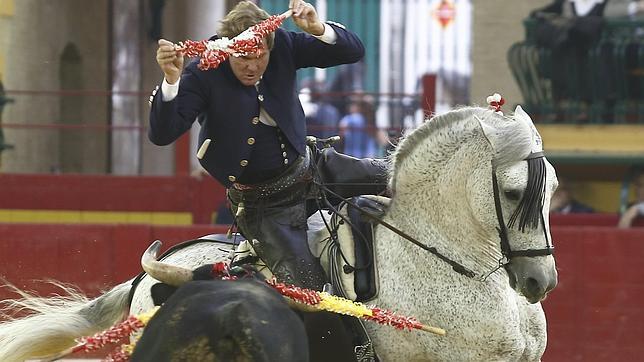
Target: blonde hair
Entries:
(244, 15)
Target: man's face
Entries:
(249, 69)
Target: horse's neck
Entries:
(433, 204)
(457, 242)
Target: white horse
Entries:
(471, 193)
(443, 189)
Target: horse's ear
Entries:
(489, 132)
(519, 112)
(537, 144)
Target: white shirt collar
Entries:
(583, 7)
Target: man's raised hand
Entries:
(169, 60)
(305, 17)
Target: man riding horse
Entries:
(465, 244)
(253, 135)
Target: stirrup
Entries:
(329, 288)
(365, 353)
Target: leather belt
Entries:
(299, 172)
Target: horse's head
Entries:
(488, 188)
(523, 183)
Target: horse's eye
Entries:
(513, 195)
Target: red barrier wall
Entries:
(93, 257)
(596, 311)
(594, 219)
(594, 314)
(200, 197)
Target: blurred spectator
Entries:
(346, 82)
(632, 87)
(380, 135)
(321, 116)
(326, 118)
(357, 134)
(564, 202)
(308, 106)
(636, 209)
(574, 8)
(569, 28)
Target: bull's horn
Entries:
(169, 274)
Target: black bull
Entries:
(242, 320)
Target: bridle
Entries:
(506, 250)
(535, 160)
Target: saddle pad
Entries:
(339, 258)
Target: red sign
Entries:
(445, 13)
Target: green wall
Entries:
(361, 16)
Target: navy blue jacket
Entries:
(232, 109)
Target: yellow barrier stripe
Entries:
(593, 138)
(95, 217)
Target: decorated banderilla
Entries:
(214, 52)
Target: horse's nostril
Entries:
(532, 287)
